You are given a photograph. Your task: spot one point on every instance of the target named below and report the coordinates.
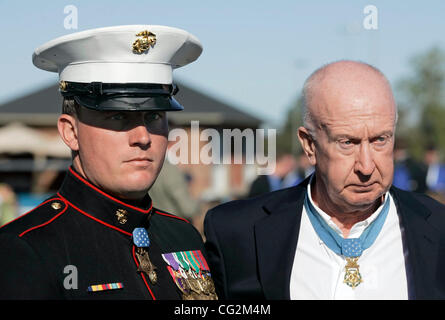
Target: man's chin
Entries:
(132, 194)
(364, 201)
(135, 191)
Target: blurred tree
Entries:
(421, 102)
(287, 140)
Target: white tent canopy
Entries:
(17, 138)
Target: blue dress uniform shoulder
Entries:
(18, 252)
(174, 233)
(39, 217)
(163, 213)
(15, 274)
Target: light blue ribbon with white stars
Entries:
(353, 247)
(140, 238)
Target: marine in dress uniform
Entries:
(87, 241)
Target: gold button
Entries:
(56, 205)
(121, 215)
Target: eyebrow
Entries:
(351, 137)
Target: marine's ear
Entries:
(67, 126)
(308, 144)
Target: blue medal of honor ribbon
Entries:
(347, 247)
(140, 238)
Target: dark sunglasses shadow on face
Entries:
(155, 122)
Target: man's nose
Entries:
(140, 135)
(365, 162)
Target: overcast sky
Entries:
(256, 55)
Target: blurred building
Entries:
(33, 159)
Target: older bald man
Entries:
(345, 232)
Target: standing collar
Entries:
(96, 204)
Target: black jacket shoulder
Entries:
(39, 217)
(254, 207)
(25, 271)
(424, 205)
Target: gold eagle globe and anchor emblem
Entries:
(147, 40)
(63, 85)
(121, 216)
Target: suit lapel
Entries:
(276, 241)
(422, 241)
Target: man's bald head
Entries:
(348, 136)
(339, 77)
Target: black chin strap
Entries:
(99, 88)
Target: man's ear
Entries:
(67, 126)
(307, 143)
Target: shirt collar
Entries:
(357, 228)
(96, 204)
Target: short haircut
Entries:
(70, 107)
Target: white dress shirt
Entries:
(318, 272)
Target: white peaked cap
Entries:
(107, 55)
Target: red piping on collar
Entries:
(107, 195)
(47, 222)
(95, 219)
(171, 216)
(142, 274)
(21, 216)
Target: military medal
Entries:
(142, 241)
(351, 249)
(146, 266)
(352, 273)
(191, 275)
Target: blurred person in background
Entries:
(171, 191)
(409, 174)
(8, 204)
(284, 176)
(304, 168)
(435, 176)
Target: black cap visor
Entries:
(122, 96)
(128, 103)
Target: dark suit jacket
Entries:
(259, 186)
(251, 244)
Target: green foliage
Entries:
(422, 100)
(287, 140)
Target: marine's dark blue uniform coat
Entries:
(80, 227)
